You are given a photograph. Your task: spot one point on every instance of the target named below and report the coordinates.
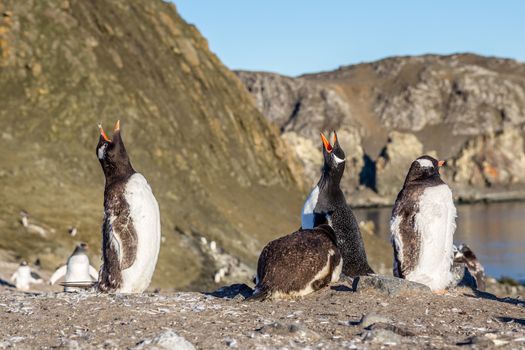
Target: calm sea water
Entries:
(495, 232)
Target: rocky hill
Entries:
(221, 174)
(464, 108)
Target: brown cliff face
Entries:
(465, 108)
(217, 168)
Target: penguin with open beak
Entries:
(327, 204)
(131, 231)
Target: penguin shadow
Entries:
(345, 284)
(341, 288)
(4, 283)
(489, 296)
(234, 291)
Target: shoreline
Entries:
(459, 199)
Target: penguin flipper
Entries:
(58, 274)
(93, 273)
(35, 278)
(14, 277)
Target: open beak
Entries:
(117, 126)
(326, 144)
(442, 163)
(103, 133)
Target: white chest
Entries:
(307, 218)
(145, 215)
(436, 223)
(78, 269)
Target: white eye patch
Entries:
(425, 163)
(102, 151)
(338, 160)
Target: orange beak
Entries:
(442, 163)
(327, 145)
(335, 138)
(103, 134)
(117, 126)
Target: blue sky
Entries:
(293, 37)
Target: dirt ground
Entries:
(329, 319)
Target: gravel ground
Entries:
(330, 319)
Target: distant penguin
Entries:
(297, 264)
(464, 255)
(131, 227)
(23, 277)
(72, 231)
(24, 218)
(327, 204)
(422, 226)
(77, 270)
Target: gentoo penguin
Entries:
(464, 255)
(131, 227)
(422, 226)
(297, 264)
(24, 218)
(23, 277)
(72, 231)
(327, 204)
(77, 270)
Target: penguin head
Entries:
(424, 167)
(82, 248)
(23, 263)
(112, 154)
(463, 253)
(334, 158)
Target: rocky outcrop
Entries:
(302, 109)
(465, 108)
(492, 160)
(400, 151)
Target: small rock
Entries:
(382, 336)
(168, 340)
(391, 286)
(372, 318)
(36, 69)
(232, 343)
(297, 329)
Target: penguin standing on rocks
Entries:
(422, 226)
(23, 277)
(77, 271)
(297, 264)
(326, 204)
(131, 227)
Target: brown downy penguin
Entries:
(327, 204)
(131, 228)
(464, 255)
(297, 264)
(422, 226)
